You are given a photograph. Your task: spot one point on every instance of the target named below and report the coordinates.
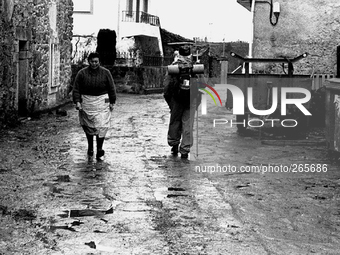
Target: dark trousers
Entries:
(181, 125)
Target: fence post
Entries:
(224, 72)
(224, 75)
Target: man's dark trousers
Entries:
(181, 125)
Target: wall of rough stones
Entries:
(304, 26)
(38, 32)
(7, 92)
(148, 45)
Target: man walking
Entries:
(182, 99)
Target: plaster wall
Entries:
(104, 15)
(304, 26)
(108, 14)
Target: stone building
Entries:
(302, 26)
(35, 67)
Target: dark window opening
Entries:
(129, 7)
(145, 6)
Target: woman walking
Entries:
(94, 94)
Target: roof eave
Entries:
(245, 3)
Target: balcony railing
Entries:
(140, 17)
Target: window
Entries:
(54, 67)
(53, 17)
(145, 6)
(83, 6)
(129, 7)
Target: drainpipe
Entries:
(250, 54)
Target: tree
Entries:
(106, 46)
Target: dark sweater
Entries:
(94, 82)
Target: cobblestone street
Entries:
(142, 200)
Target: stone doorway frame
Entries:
(22, 46)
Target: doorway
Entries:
(23, 78)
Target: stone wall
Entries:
(148, 45)
(304, 26)
(35, 67)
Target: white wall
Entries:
(104, 16)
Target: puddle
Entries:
(319, 197)
(63, 178)
(99, 231)
(175, 189)
(249, 195)
(161, 193)
(54, 228)
(98, 247)
(242, 186)
(85, 213)
(3, 209)
(68, 227)
(88, 201)
(54, 189)
(23, 214)
(93, 175)
(176, 195)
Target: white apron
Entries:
(96, 114)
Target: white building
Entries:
(131, 20)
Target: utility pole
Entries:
(224, 46)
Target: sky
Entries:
(214, 19)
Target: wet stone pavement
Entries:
(142, 200)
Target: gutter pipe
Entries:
(250, 54)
